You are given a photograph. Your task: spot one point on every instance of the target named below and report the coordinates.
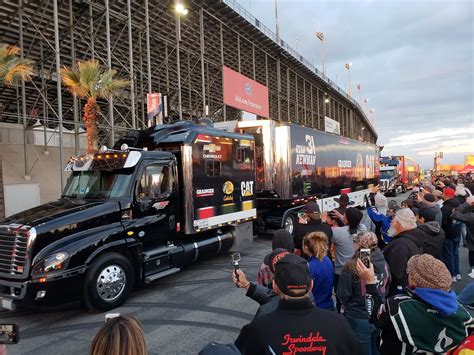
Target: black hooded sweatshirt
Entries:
(451, 228)
(312, 226)
(430, 237)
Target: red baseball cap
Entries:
(449, 192)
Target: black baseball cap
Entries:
(311, 207)
(428, 213)
(271, 259)
(292, 274)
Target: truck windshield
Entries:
(387, 174)
(98, 183)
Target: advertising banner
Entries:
(331, 125)
(244, 93)
(157, 108)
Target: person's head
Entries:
(331, 219)
(393, 207)
(292, 278)
(121, 335)
(426, 214)
(403, 220)
(428, 199)
(311, 209)
(428, 272)
(438, 194)
(381, 203)
(283, 239)
(449, 193)
(343, 200)
(316, 244)
(352, 218)
(408, 203)
(363, 240)
(460, 190)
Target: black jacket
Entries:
(451, 228)
(465, 214)
(429, 237)
(397, 253)
(312, 226)
(297, 326)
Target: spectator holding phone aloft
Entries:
(351, 290)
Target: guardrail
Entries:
(234, 5)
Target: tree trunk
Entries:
(91, 109)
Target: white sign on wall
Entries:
(331, 125)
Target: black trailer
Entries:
(295, 164)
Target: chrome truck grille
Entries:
(13, 250)
(384, 184)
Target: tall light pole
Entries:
(320, 36)
(277, 25)
(180, 11)
(348, 67)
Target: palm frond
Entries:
(13, 68)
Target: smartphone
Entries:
(109, 316)
(235, 262)
(9, 334)
(365, 257)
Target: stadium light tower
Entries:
(180, 10)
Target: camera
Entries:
(9, 334)
(109, 316)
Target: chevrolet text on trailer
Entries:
(295, 164)
(158, 201)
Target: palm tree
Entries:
(89, 81)
(12, 67)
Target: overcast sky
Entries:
(413, 59)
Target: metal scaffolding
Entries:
(158, 51)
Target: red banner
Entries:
(244, 93)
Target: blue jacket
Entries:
(322, 273)
(377, 218)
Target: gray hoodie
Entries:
(344, 245)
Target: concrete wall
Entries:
(42, 168)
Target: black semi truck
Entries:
(130, 215)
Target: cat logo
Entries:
(228, 187)
(247, 188)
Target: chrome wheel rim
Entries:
(111, 283)
(289, 224)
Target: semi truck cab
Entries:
(129, 216)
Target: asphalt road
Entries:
(180, 314)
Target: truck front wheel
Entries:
(108, 282)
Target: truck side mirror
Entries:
(145, 205)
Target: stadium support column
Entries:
(130, 58)
(312, 108)
(59, 89)
(224, 112)
(23, 94)
(109, 66)
(74, 96)
(91, 30)
(203, 73)
(288, 92)
(238, 52)
(304, 102)
(278, 87)
(44, 90)
(148, 57)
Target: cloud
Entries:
(413, 58)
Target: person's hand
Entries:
(365, 273)
(470, 200)
(3, 349)
(324, 216)
(337, 214)
(419, 196)
(303, 220)
(242, 281)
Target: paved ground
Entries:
(180, 313)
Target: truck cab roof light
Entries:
(124, 147)
(103, 149)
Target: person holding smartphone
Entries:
(309, 220)
(351, 290)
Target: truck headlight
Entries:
(53, 262)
